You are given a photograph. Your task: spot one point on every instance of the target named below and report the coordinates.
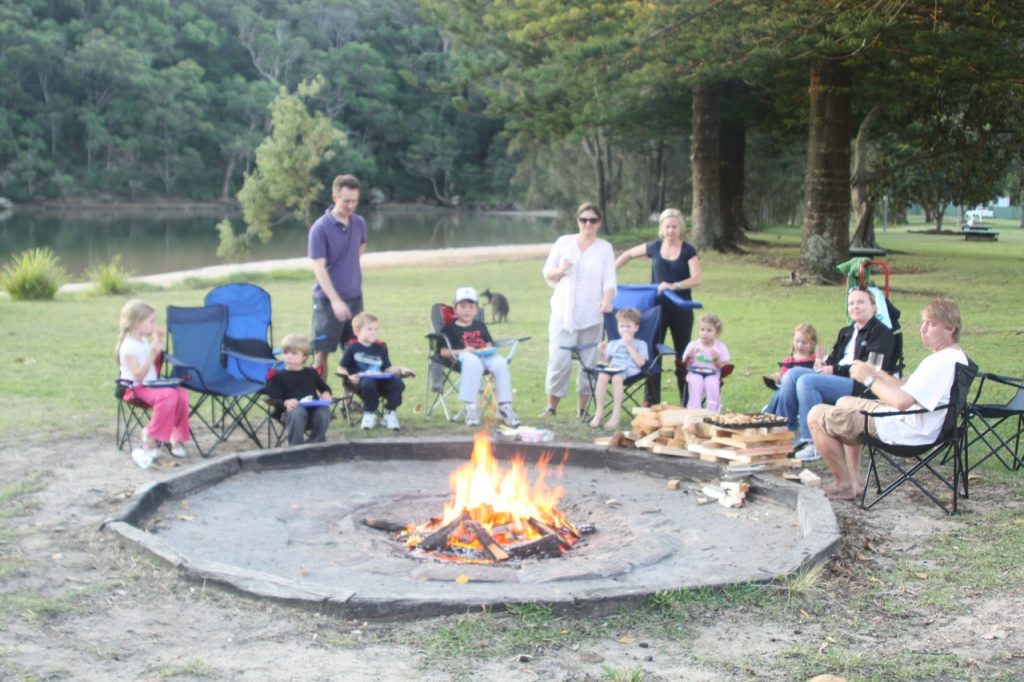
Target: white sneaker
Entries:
(142, 457)
(508, 415)
(369, 421)
(391, 421)
(808, 453)
(179, 451)
(472, 416)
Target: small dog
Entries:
(499, 306)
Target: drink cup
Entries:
(876, 360)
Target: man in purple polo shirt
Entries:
(336, 241)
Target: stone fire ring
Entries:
(286, 524)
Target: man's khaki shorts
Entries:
(844, 420)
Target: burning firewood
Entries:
(440, 536)
(490, 546)
(382, 524)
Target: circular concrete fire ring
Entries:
(286, 524)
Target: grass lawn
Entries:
(898, 602)
(58, 356)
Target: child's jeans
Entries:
(371, 390)
(473, 367)
(704, 386)
(317, 418)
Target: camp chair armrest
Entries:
(678, 301)
(900, 413)
(269, 362)
(501, 343)
(665, 349)
(188, 370)
(1001, 379)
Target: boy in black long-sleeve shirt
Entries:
(289, 389)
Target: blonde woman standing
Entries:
(581, 270)
(675, 266)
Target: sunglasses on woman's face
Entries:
(589, 220)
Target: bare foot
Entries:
(611, 424)
(595, 422)
(831, 488)
(844, 493)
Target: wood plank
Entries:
(753, 449)
(742, 438)
(774, 462)
(648, 441)
(674, 452)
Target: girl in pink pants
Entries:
(138, 359)
(704, 359)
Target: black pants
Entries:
(370, 392)
(680, 322)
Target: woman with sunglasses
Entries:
(675, 267)
(581, 270)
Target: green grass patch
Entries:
(837, 658)
(191, 669)
(46, 374)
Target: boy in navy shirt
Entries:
(367, 366)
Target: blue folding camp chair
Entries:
(646, 299)
(196, 357)
(248, 343)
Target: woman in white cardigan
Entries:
(581, 270)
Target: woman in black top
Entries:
(675, 266)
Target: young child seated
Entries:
(624, 357)
(367, 366)
(473, 346)
(291, 388)
(801, 354)
(704, 359)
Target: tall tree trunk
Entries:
(658, 205)
(225, 188)
(593, 146)
(732, 145)
(826, 229)
(707, 168)
(863, 202)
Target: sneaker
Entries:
(142, 457)
(178, 450)
(391, 421)
(508, 415)
(369, 421)
(808, 453)
(472, 416)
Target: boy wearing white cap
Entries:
(472, 345)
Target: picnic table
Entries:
(979, 232)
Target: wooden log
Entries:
(547, 545)
(809, 478)
(673, 484)
(545, 529)
(491, 547)
(381, 524)
(440, 536)
(616, 439)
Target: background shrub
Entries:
(111, 278)
(35, 275)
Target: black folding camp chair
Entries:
(443, 373)
(132, 415)
(994, 429)
(225, 401)
(913, 462)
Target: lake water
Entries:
(170, 241)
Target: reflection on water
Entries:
(166, 241)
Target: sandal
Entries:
(548, 412)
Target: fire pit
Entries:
(303, 525)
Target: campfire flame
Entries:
(511, 511)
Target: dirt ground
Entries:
(81, 603)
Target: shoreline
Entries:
(380, 260)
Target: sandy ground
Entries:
(81, 603)
(370, 261)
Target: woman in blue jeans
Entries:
(802, 388)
